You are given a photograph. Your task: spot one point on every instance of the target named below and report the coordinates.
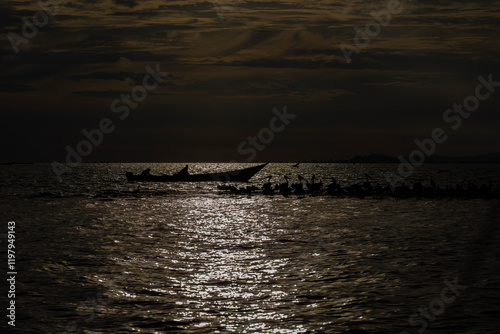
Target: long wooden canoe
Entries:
(240, 175)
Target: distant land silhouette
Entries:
(382, 158)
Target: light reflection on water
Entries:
(227, 276)
(192, 260)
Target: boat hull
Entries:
(241, 175)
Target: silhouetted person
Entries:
(183, 172)
(299, 187)
(284, 187)
(129, 176)
(146, 172)
(418, 188)
(267, 187)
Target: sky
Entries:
(230, 63)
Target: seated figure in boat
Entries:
(146, 172)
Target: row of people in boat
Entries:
(370, 188)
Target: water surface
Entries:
(98, 256)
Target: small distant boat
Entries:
(240, 175)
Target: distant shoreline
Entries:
(382, 158)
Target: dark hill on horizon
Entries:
(382, 158)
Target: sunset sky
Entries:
(226, 76)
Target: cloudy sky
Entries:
(231, 63)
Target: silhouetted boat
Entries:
(240, 175)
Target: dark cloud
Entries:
(126, 3)
(102, 76)
(12, 88)
(111, 94)
(227, 76)
(7, 17)
(108, 94)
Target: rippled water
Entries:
(98, 256)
